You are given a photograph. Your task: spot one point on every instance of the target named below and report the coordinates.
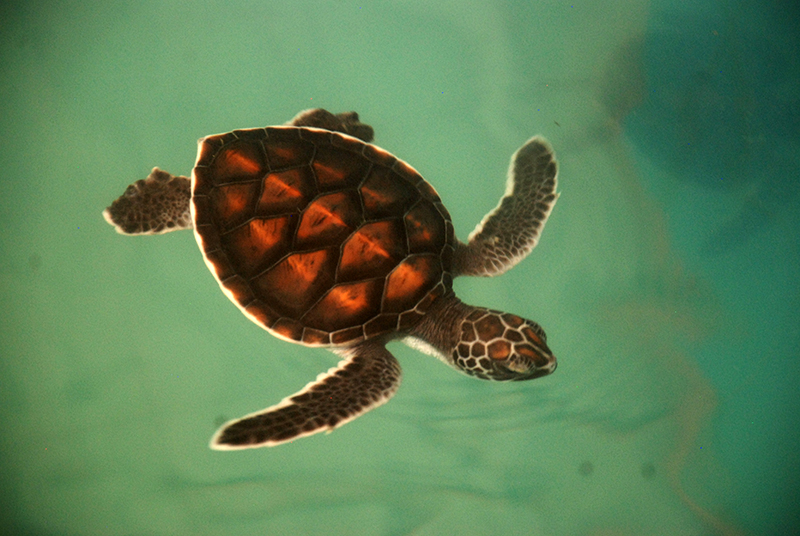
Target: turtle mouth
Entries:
(526, 363)
(524, 367)
(536, 372)
(514, 369)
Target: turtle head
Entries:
(487, 344)
(503, 347)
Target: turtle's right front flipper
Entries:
(508, 233)
(158, 204)
(367, 377)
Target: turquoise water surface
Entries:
(667, 277)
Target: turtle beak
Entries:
(530, 361)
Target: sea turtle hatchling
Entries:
(326, 240)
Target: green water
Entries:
(667, 276)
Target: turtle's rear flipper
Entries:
(346, 122)
(509, 232)
(367, 377)
(155, 205)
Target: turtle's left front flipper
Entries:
(367, 377)
(155, 205)
(508, 233)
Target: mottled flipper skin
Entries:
(366, 378)
(507, 234)
(155, 205)
(346, 122)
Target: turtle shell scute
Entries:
(318, 237)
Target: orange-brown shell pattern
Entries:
(317, 236)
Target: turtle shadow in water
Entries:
(719, 111)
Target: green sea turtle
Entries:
(326, 240)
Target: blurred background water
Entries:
(667, 277)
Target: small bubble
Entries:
(34, 262)
(648, 471)
(586, 468)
